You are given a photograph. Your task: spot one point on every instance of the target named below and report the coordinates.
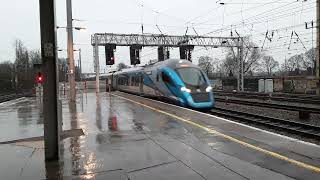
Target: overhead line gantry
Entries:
(185, 44)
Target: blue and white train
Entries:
(178, 81)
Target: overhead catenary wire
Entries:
(254, 23)
(247, 19)
(226, 28)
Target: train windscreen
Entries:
(191, 76)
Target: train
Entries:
(175, 80)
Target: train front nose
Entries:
(201, 100)
(198, 99)
(195, 87)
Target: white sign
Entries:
(48, 50)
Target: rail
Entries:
(271, 105)
(297, 128)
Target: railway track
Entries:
(271, 105)
(296, 128)
(306, 99)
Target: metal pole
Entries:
(317, 47)
(241, 65)
(96, 60)
(239, 69)
(50, 92)
(80, 64)
(70, 52)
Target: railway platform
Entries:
(121, 136)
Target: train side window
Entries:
(135, 81)
(138, 80)
(166, 79)
(157, 77)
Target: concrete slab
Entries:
(21, 119)
(113, 174)
(244, 168)
(31, 144)
(19, 162)
(196, 160)
(175, 170)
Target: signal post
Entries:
(317, 48)
(50, 91)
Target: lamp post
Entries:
(71, 72)
(317, 48)
(79, 60)
(80, 64)
(70, 52)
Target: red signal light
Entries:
(39, 78)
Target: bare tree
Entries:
(251, 57)
(294, 62)
(35, 57)
(301, 61)
(230, 65)
(22, 56)
(269, 64)
(6, 77)
(309, 60)
(206, 64)
(23, 71)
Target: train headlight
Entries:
(184, 89)
(208, 89)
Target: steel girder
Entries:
(162, 40)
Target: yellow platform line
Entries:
(212, 131)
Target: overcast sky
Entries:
(20, 20)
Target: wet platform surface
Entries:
(143, 139)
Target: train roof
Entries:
(127, 70)
(175, 63)
(172, 63)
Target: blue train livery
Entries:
(176, 80)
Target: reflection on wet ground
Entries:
(121, 140)
(20, 119)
